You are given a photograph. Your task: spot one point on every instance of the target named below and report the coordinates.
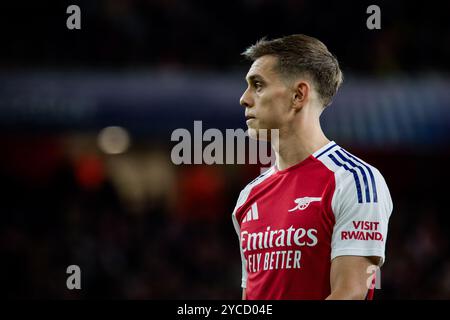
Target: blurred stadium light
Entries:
(141, 227)
(395, 112)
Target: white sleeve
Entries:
(244, 270)
(242, 196)
(241, 200)
(361, 215)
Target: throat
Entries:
(295, 154)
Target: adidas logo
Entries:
(252, 214)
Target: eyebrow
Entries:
(254, 77)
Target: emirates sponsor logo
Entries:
(278, 238)
(290, 238)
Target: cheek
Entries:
(274, 102)
(268, 100)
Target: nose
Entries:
(246, 100)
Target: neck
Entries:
(294, 146)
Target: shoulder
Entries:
(255, 182)
(263, 176)
(353, 174)
(340, 160)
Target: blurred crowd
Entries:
(142, 228)
(137, 226)
(201, 34)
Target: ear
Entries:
(301, 94)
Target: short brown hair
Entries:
(299, 54)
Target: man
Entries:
(315, 224)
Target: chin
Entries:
(259, 134)
(252, 133)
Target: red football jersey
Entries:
(291, 223)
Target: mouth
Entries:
(249, 117)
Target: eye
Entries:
(258, 85)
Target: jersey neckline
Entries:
(312, 156)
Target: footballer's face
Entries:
(267, 99)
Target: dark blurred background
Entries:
(86, 118)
